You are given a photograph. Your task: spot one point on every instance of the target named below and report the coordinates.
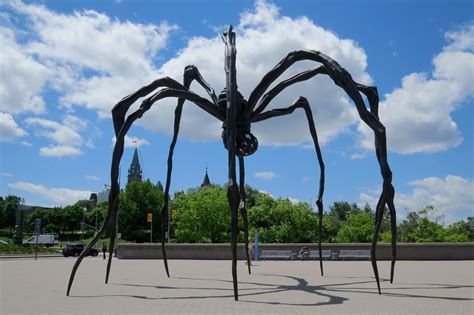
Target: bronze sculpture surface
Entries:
(237, 115)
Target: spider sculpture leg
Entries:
(110, 219)
(232, 110)
(344, 80)
(373, 98)
(119, 112)
(303, 103)
(243, 209)
(122, 125)
(257, 93)
(393, 228)
(233, 196)
(191, 73)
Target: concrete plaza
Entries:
(203, 287)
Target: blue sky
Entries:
(64, 64)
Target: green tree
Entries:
(456, 232)
(280, 221)
(202, 216)
(8, 207)
(252, 196)
(68, 219)
(52, 221)
(428, 231)
(359, 228)
(30, 220)
(83, 204)
(337, 216)
(138, 199)
(423, 226)
(159, 186)
(470, 228)
(410, 224)
(98, 212)
(2, 213)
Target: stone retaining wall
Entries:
(405, 251)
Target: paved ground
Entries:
(204, 287)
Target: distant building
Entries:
(206, 181)
(92, 202)
(135, 170)
(134, 174)
(103, 196)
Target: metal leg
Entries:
(191, 73)
(113, 236)
(303, 103)
(393, 228)
(243, 211)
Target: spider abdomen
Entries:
(245, 142)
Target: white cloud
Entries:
(275, 35)
(66, 136)
(92, 60)
(22, 78)
(9, 130)
(6, 174)
(306, 179)
(56, 196)
(59, 133)
(93, 178)
(121, 60)
(132, 142)
(461, 40)
(59, 53)
(359, 155)
(59, 151)
(265, 175)
(453, 196)
(417, 115)
(75, 122)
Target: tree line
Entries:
(202, 215)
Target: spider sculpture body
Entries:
(237, 115)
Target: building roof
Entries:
(206, 181)
(135, 170)
(135, 161)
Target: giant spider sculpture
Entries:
(237, 115)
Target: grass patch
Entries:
(20, 249)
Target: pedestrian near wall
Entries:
(104, 249)
(250, 248)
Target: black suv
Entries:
(75, 250)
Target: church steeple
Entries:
(206, 181)
(135, 170)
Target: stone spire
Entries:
(135, 170)
(206, 181)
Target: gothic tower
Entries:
(135, 170)
(206, 181)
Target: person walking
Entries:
(250, 248)
(104, 249)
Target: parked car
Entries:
(44, 239)
(74, 249)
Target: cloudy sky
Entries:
(63, 65)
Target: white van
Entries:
(44, 239)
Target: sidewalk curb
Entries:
(28, 256)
